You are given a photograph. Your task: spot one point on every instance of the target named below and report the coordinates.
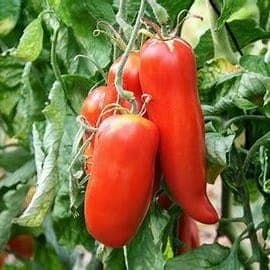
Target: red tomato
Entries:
(22, 245)
(188, 233)
(131, 81)
(120, 190)
(168, 74)
(95, 103)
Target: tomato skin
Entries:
(95, 103)
(168, 74)
(188, 233)
(120, 190)
(23, 245)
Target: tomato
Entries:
(168, 74)
(22, 245)
(188, 233)
(120, 190)
(95, 102)
(131, 81)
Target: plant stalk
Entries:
(222, 46)
(119, 72)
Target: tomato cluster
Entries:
(121, 156)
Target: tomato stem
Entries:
(119, 72)
(113, 34)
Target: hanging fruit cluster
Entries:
(150, 125)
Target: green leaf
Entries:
(228, 8)
(248, 91)
(78, 88)
(248, 31)
(264, 7)
(150, 237)
(13, 200)
(217, 148)
(12, 160)
(31, 42)
(212, 257)
(255, 63)
(21, 175)
(9, 14)
(112, 259)
(204, 49)
(73, 233)
(30, 105)
(82, 20)
(47, 181)
(11, 71)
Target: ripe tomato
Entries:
(22, 245)
(168, 74)
(95, 103)
(120, 190)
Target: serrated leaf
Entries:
(31, 42)
(9, 14)
(47, 182)
(212, 257)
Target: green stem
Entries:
(257, 252)
(253, 149)
(244, 117)
(118, 76)
(222, 46)
(56, 69)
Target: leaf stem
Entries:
(118, 76)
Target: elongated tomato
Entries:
(120, 190)
(168, 74)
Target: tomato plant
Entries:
(199, 70)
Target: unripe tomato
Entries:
(120, 189)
